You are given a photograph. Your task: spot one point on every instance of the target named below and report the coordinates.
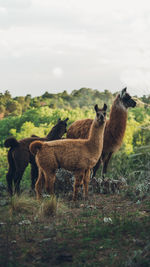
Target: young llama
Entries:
(114, 130)
(19, 156)
(78, 156)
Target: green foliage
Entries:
(3, 164)
(5, 125)
(26, 130)
(14, 108)
(82, 98)
(38, 121)
(132, 127)
(2, 108)
(4, 98)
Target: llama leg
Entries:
(21, 160)
(42, 180)
(77, 183)
(105, 164)
(86, 183)
(11, 173)
(96, 167)
(17, 179)
(9, 178)
(50, 178)
(34, 175)
(39, 184)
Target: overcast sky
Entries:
(57, 45)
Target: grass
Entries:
(48, 207)
(23, 204)
(55, 232)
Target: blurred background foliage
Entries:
(23, 116)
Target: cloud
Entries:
(57, 72)
(98, 44)
(15, 4)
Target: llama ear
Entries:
(96, 108)
(66, 119)
(105, 107)
(59, 120)
(123, 92)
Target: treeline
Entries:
(82, 98)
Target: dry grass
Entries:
(48, 207)
(23, 204)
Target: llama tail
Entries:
(11, 142)
(35, 146)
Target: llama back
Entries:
(35, 146)
(79, 129)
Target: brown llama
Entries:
(19, 156)
(114, 130)
(78, 156)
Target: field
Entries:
(106, 230)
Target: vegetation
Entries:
(82, 98)
(108, 229)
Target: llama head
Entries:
(58, 130)
(62, 126)
(100, 114)
(126, 99)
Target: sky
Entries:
(57, 45)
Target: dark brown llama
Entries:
(19, 156)
(114, 130)
(78, 156)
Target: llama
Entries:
(78, 156)
(114, 130)
(19, 156)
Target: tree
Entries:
(2, 109)
(47, 95)
(14, 108)
(7, 95)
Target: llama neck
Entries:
(96, 135)
(117, 119)
(53, 135)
